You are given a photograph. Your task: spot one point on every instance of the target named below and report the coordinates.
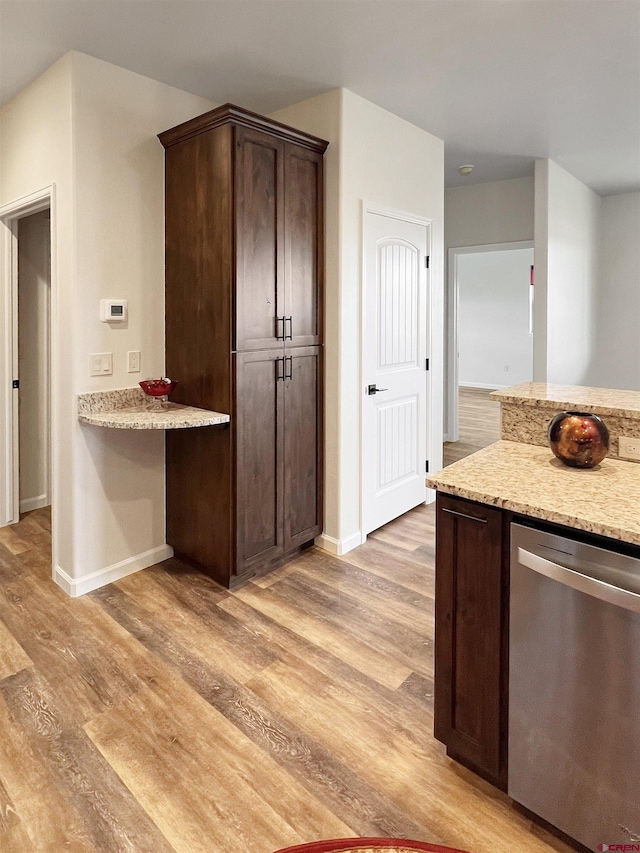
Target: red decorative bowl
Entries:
(157, 387)
(579, 439)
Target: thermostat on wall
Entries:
(113, 310)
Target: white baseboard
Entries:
(483, 386)
(338, 547)
(79, 586)
(29, 504)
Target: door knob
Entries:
(373, 389)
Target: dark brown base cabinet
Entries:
(277, 405)
(471, 641)
(244, 296)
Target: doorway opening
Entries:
(34, 410)
(26, 376)
(490, 339)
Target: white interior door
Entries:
(394, 417)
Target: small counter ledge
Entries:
(600, 401)
(130, 408)
(529, 480)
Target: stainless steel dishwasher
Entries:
(574, 686)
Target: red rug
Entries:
(368, 845)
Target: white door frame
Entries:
(452, 325)
(392, 213)
(10, 214)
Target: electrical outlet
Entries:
(101, 364)
(506, 368)
(629, 448)
(133, 361)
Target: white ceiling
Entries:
(501, 81)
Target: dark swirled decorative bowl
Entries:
(578, 439)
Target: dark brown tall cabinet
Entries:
(244, 252)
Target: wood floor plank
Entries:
(68, 647)
(359, 655)
(164, 713)
(396, 639)
(402, 568)
(112, 820)
(352, 801)
(478, 424)
(210, 632)
(47, 820)
(295, 651)
(10, 540)
(372, 591)
(13, 838)
(199, 777)
(13, 657)
(386, 754)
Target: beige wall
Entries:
(567, 246)
(34, 285)
(617, 363)
(381, 159)
(90, 128)
(35, 152)
(495, 212)
(119, 252)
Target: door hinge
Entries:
(426, 261)
(426, 466)
(16, 383)
(427, 365)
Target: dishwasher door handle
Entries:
(582, 583)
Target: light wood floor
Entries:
(163, 713)
(478, 424)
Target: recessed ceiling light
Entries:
(466, 170)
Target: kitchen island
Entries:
(517, 480)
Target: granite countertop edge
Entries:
(602, 401)
(131, 419)
(130, 408)
(527, 480)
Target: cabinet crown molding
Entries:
(231, 114)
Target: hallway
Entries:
(478, 424)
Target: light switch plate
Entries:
(101, 364)
(133, 361)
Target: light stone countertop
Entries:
(600, 401)
(528, 479)
(174, 416)
(130, 408)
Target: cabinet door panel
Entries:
(259, 455)
(303, 245)
(259, 247)
(303, 446)
(470, 672)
